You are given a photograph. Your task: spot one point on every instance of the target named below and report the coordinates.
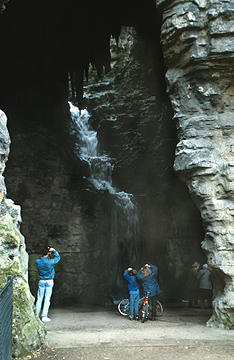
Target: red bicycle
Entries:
(145, 307)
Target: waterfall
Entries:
(87, 149)
(126, 247)
(125, 239)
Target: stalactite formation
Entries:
(47, 46)
(42, 42)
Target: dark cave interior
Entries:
(41, 42)
(43, 45)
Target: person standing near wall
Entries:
(134, 292)
(205, 285)
(46, 273)
(193, 285)
(147, 275)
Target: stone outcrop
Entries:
(134, 120)
(59, 208)
(28, 332)
(2, 5)
(132, 115)
(198, 46)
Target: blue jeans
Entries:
(134, 304)
(44, 289)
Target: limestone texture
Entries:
(133, 116)
(198, 47)
(2, 5)
(28, 332)
(60, 207)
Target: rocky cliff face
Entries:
(197, 39)
(2, 5)
(28, 332)
(132, 115)
(134, 120)
(58, 209)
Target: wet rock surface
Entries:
(133, 117)
(60, 207)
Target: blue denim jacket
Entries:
(46, 266)
(133, 285)
(150, 282)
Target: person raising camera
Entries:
(46, 273)
(147, 275)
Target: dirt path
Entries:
(102, 333)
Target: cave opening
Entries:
(46, 49)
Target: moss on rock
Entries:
(28, 332)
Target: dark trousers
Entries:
(153, 303)
(193, 297)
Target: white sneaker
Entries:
(46, 319)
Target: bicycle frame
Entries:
(145, 307)
(124, 306)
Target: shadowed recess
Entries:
(45, 43)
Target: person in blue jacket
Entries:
(46, 273)
(147, 275)
(134, 293)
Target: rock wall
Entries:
(45, 177)
(133, 116)
(198, 46)
(2, 5)
(61, 208)
(28, 332)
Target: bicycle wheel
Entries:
(123, 307)
(159, 309)
(145, 313)
(143, 318)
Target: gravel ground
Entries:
(198, 352)
(102, 333)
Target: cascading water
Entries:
(125, 224)
(100, 166)
(126, 242)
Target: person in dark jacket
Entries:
(205, 285)
(192, 285)
(134, 293)
(147, 275)
(46, 273)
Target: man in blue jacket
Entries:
(133, 287)
(46, 273)
(147, 275)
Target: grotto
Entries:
(119, 150)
